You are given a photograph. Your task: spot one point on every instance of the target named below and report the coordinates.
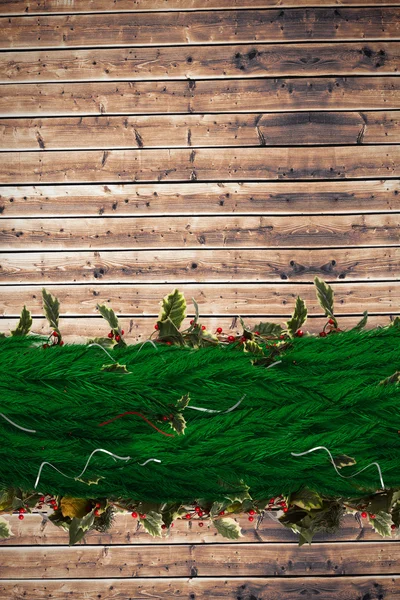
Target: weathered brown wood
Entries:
(236, 298)
(204, 96)
(137, 329)
(152, 29)
(233, 560)
(211, 198)
(121, 233)
(353, 264)
(204, 164)
(302, 588)
(196, 62)
(126, 530)
(161, 131)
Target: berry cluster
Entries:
(54, 339)
(330, 325)
(115, 334)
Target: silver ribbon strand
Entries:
(18, 426)
(114, 456)
(335, 467)
(209, 410)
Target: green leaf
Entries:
(178, 423)
(51, 308)
(173, 307)
(382, 523)
(362, 323)
(74, 507)
(228, 528)
(24, 324)
(208, 337)
(167, 329)
(271, 329)
(196, 308)
(298, 318)
(169, 512)
(109, 315)
(342, 460)
(5, 529)
(325, 297)
(395, 378)
(306, 499)
(395, 323)
(183, 402)
(79, 527)
(241, 495)
(152, 523)
(217, 507)
(104, 342)
(254, 348)
(115, 368)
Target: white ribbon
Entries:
(18, 426)
(333, 462)
(209, 410)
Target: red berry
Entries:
(187, 516)
(142, 516)
(364, 515)
(299, 333)
(45, 345)
(98, 505)
(281, 337)
(171, 525)
(41, 499)
(165, 418)
(219, 329)
(231, 338)
(243, 339)
(21, 517)
(117, 338)
(134, 515)
(252, 512)
(222, 512)
(168, 343)
(251, 519)
(200, 513)
(322, 334)
(55, 507)
(55, 334)
(201, 524)
(393, 526)
(256, 333)
(156, 326)
(285, 509)
(372, 516)
(197, 509)
(22, 510)
(122, 332)
(272, 500)
(96, 513)
(40, 507)
(163, 526)
(61, 343)
(192, 322)
(203, 327)
(331, 322)
(111, 335)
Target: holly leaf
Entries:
(24, 323)
(382, 523)
(178, 423)
(306, 499)
(109, 315)
(6, 500)
(395, 323)
(52, 309)
(217, 507)
(395, 378)
(271, 329)
(362, 323)
(183, 402)
(167, 329)
(5, 529)
(342, 460)
(74, 507)
(228, 528)
(152, 523)
(104, 342)
(115, 368)
(298, 318)
(79, 527)
(254, 348)
(169, 512)
(325, 297)
(241, 495)
(173, 307)
(209, 337)
(196, 308)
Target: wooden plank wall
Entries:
(231, 148)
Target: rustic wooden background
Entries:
(233, 149)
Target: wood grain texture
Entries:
(138, 329)
(161, 131)
(236, 298)
(146, 199)
(302, 588)
(204, 96)
(233, 560)
(204, 164)
(200, 62)
(276, 265)
(125, 530)
(205, 27)
(200, 232)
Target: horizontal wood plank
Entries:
(212, 27)
(276, 265)
(233, 560)
(241, 299)
(195, 199)
(199, 62)
(161, 131)
(126, 530)
(332, 588)
(204, 96)
(120, 233)
(137, 329)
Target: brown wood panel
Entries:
(161, 131)
(81, 166)
(276, 265)
(197, 62)
(332, 588)
(195, 199)
(120, 233)
(204, 96)
(137, 329)
(126, 530)
(212, 27)
(233, 560)
(243, 299)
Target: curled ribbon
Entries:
(335, 467)
(18, 426)
(209, 410)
